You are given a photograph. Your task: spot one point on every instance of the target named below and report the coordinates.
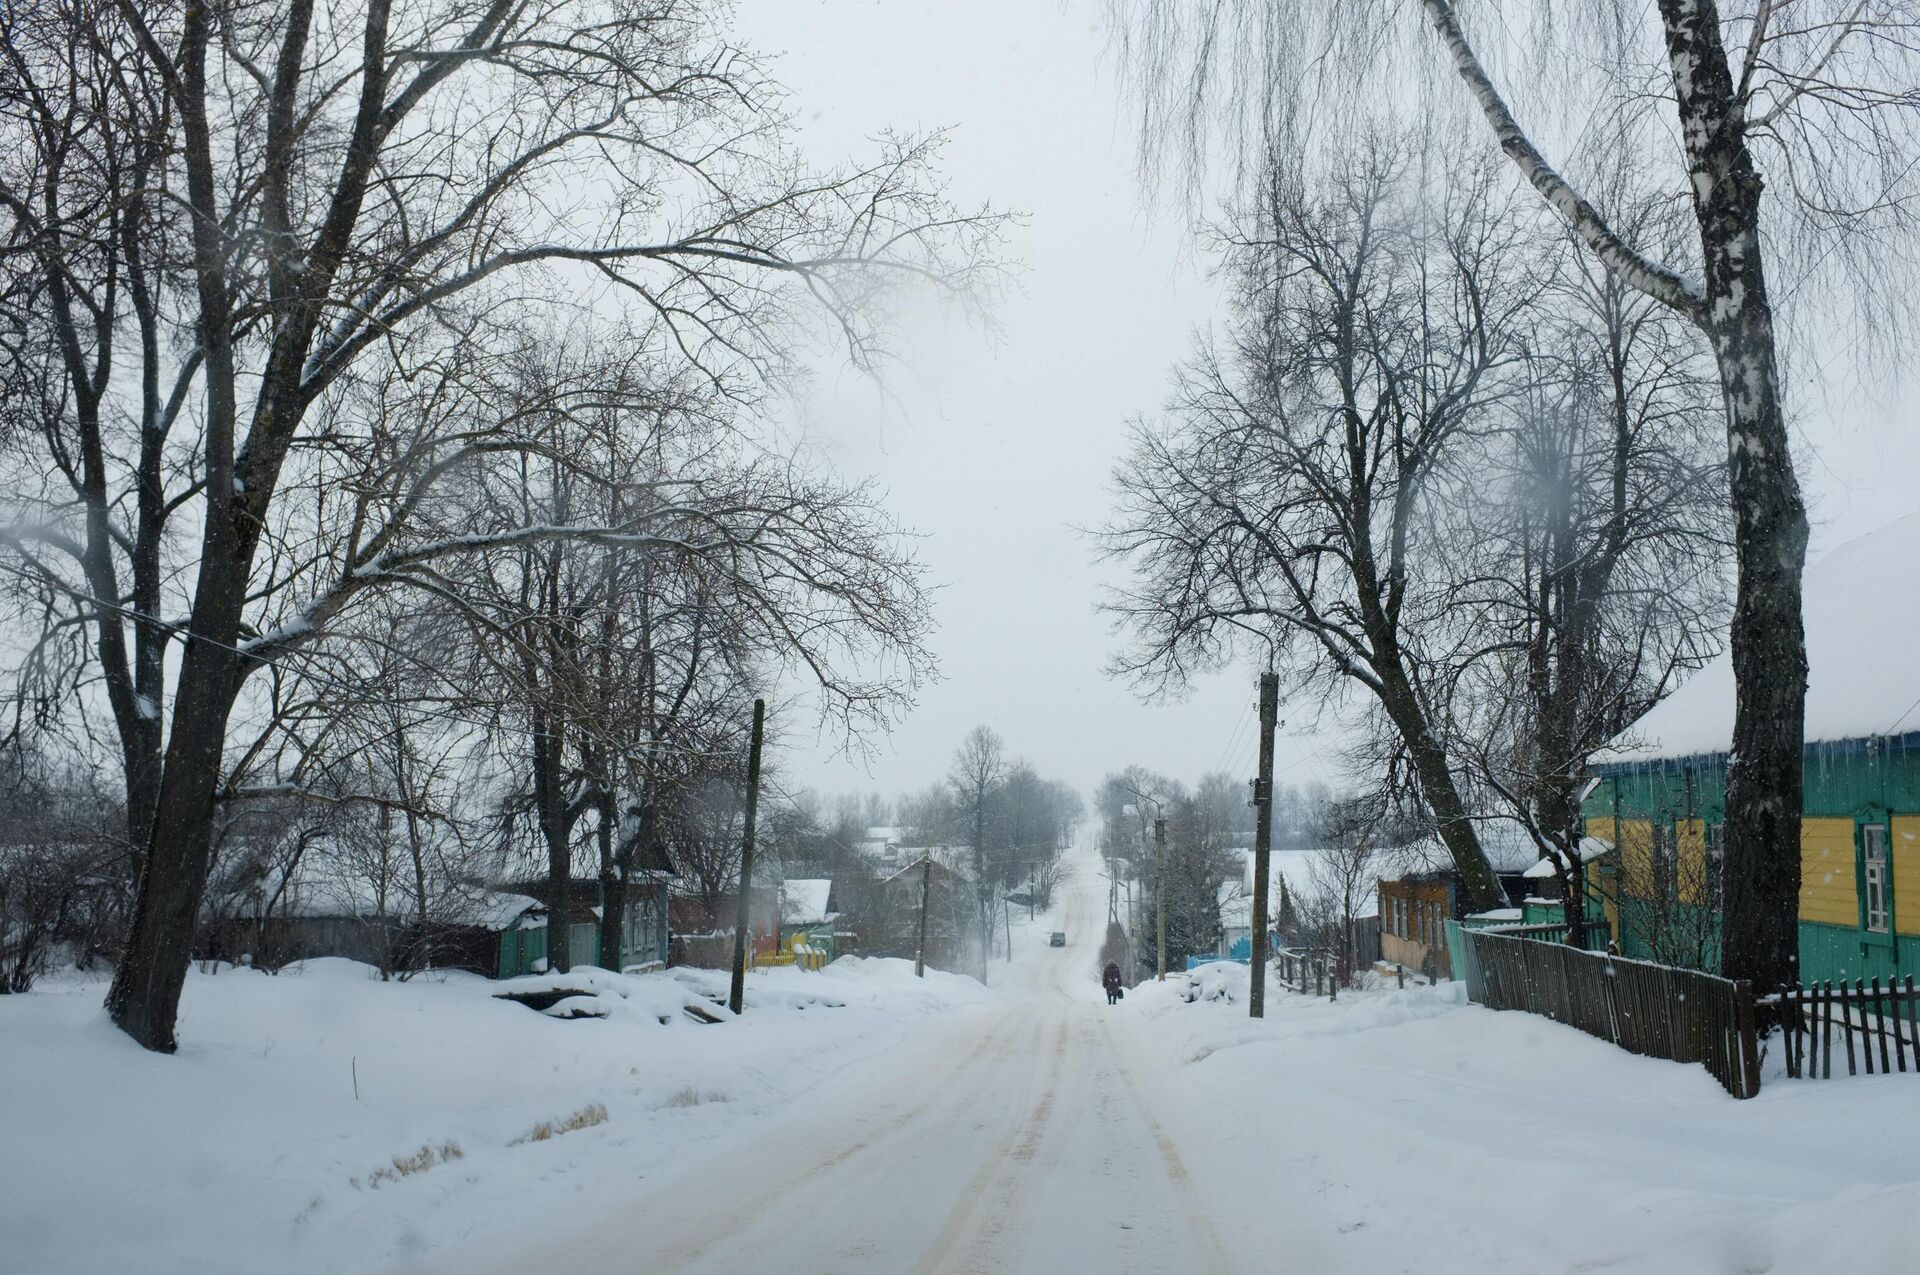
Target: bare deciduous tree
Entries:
(979, 768)
(237, 215)
(1291, 496)
(1594, 544)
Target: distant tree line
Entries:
(994, 817)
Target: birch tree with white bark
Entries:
(1788, 126)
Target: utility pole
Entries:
(1262, 846)
(743, 919)
(1159, 890)
(926, 881)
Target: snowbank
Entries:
(324, 1120)
(1391, 1119)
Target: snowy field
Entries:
(860, 1120)
(250, 1151)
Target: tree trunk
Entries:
(1437, 785)
(1760, 924)
(144, 999)
(1759, 937)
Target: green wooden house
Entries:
(1660, 794)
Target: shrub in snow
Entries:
(588, 1116)
(404, 1166)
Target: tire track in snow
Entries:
(1212, 1257)
(994, 1198)
(692, 1229)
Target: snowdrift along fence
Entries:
(1808, 1016)
(1659, 1011)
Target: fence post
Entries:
(1749, 1038)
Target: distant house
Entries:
(887, 850)
(1660, 793)
(951, 909)
(881, 846)
(645, 930)
(1290, 886)
(808, 905)
(324, 910)
(644, 938)
(1424, 891)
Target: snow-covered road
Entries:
(1008, 1137)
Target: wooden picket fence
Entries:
(1885, 1020)
(1660, 1011)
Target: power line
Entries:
(1233, 740)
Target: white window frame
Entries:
(1876, 874)
(1663, 856)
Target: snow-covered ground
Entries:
(268, 1142)
(1410, 1130)
(861, 1120)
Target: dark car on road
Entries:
(1057, 939)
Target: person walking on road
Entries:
(1110, 979)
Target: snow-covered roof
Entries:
(1591, 848)
(803, 900)
(315, 894)
(1509, 848)
(1862, 679)
(494, 909)
(942, 857)
(1294, 868)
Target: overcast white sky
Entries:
(997, 449)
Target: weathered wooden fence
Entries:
(1885, 1021)
(1656, 1010)
(1305, 969)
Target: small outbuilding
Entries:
(1424, 891)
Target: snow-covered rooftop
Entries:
(1862, 679)
(803, 900)
(1294, 868)
(1506, 843)
(315, 893)
(1591, 848)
